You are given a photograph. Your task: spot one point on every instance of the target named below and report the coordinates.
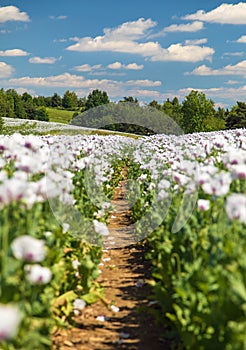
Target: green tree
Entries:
(48, 102)
(70, 100)
(6, 105)
(42, 114)
(56, 100)
(1, 124)
(96, 98)
(237, 116)
(19, 110)
(173, 109)
(39, 101)
(196, 109)
(155, 104)
(130, 99)
(29, 106)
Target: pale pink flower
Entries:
(10, 318)
(37, 274)
(218, 185)
(203, 204)
(28, 248)
(236, 207)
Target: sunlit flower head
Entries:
(10, 318)
(236, 207)
(28, 248)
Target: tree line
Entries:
(196, 113)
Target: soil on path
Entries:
(129, 323)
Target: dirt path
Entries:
(127, 322)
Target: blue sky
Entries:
(145, 49)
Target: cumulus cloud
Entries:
(184, 53)
(44, 60)
(124, 39)
(12, 13)
(189, 27)
(82, 85)
(5, 70)
(223, 93)
(76, 81)
(130, 66)
(242, 39)
(112, 66)
(87, 67)
(224, 14)
(144, 82)
(13, 53)
(237, 69)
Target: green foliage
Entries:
(173, 109)
(42, 114)
(96, 98)
(237, 116)
(69, 100)
(56, 100)
(195, 109)
(154, 104)
(1, 124)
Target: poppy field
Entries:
(188, 203)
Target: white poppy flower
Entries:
(100, 228)
(28, 248)
(10, 318)
(37, 274)
(203, 204)
(79, 304)
(236, 207)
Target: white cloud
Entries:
(115, 89)
(123, 39)
(242, 39)
(224, 93)
(224, 14)
(58, 17)
(237, 69)
(144, 82)
(87, 68)
(232, 82)
(233, 54)
(44, 60)
(184, 53)
(69, 81)
(146, 94)
(12, 13)
(134, 66)
(115, 65)
(13, 53)
(5, 70)
(112, 66)
(190, 27)
(120, 39)
(196, 41)
(130, 30)
(130, 66)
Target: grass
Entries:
(59, 115)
